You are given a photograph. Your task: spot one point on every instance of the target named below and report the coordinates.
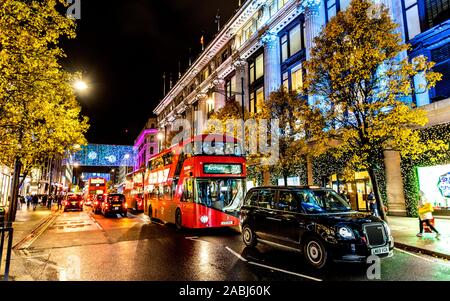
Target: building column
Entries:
(272, 72)
(219, 97)
(394, 183)
(241, 73)
(201, 114)
(314, 20)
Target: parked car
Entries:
(315, 221)
(98, 202)
(73, 202)
(115, 203)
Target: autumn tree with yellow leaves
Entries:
(297, 123)
(362, 83)
(39, 114)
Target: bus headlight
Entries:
(204, 219)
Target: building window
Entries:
(230, 87)
(256, 68)
(293, 78)
(152, 138)
(152, 150)
(441, 56)
(291, 42)
(412, 18)
(256, 100)
(421, 15)
(297, 78)
(437, 11)
(335, 6)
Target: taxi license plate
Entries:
(227, 223)
(379, 251)
(74, 203)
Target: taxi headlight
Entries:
(345, 232)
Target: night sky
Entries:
(123, 47)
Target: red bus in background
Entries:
(95, 187)
(134, 190)
(197, 184)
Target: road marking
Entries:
(95, 222)
(423, 258)
(270, 267)
(284, 271)
(236, 254)
(196, 238)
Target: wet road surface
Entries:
(84, 246)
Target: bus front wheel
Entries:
(178, 220)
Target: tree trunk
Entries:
(376, 192)
(285, 178)
(25, 174)
(14, 191)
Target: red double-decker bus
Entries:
(197, 184)
(95, 186)
(134, 190)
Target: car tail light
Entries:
(96, 203)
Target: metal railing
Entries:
(6, 233)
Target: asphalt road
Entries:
(84, 246)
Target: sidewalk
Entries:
(404, 230)
(26, 222)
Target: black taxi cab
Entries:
(315, 221)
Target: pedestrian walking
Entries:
(49, 202)
(35, 201)
(425, 215)
(29, 198)
(373, 204)
(59, 200)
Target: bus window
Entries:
(221, 194)
(167, 192)
(188, 193)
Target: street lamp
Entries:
(80, 85)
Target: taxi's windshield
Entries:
(321, 201)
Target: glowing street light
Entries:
(160, 136)
(80, 85)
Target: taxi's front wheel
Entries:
(315, 252)
(248, 236)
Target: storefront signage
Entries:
(444, 185)
(228, 169)
(434, 183)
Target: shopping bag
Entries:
(426, 208)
